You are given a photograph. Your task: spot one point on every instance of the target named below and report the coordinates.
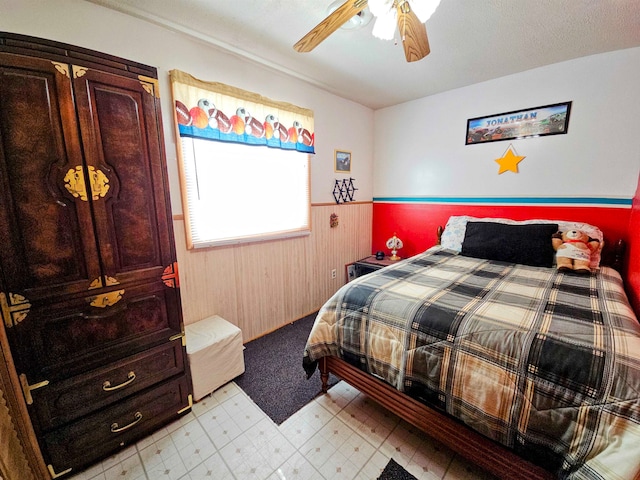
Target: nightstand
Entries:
(370, 264)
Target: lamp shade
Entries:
(386, 14)
(394, 244)
(424, 8)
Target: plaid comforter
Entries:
(543, 362)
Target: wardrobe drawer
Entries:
(99, 435)
(64, 401)
(72, 336)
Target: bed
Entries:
(527, 371)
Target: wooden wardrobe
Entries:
(92, 335)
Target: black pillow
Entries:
(528, 244)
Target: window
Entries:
(239, 193)
(244, 160)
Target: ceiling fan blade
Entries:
(335, 20)
(413, 33)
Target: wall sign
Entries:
(532, 122)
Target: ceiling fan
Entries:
(408, 15)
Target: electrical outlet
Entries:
(334, 274)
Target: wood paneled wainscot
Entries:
(91, 310)
(263, 286)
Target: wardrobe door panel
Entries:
(120, 133)
(48, 246)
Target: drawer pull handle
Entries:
(116, 429)
(106, 386)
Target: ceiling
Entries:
(471, 40)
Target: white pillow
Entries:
(454, 231)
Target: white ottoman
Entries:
(215, 352)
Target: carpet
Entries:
(393, 471)
(274, 378)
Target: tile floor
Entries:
(341, 435)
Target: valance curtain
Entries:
(215, 111)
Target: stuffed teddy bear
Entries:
(573, 250)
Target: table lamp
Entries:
(394, 244)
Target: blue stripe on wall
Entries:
(591, 201)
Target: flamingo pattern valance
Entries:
(215, 111)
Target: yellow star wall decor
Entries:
(509, 161)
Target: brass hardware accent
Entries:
(170, 276)
(26, 388)
(106, 386)
(63, 68)
(106, 299)
(179, 336)
(188, 406)
(99, 283)
(147, 88)
(15, 308)
(150, 85)
(53, 473)
(116, 429)
(75, 184)
(99, 183)
(79, 71)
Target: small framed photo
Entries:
(350, 271)
(342, 161)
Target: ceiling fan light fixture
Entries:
(385, 26)
(381, 8)
(357, 21)
(424, 8)
(390, 14)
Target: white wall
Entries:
(411, 149)
(339, 123)
(420, 146)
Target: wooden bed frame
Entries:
(478, 449)
(488, 454)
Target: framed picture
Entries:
(342, 161)
(532, 122)
(350, 270)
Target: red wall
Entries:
(416, 224)
(633, 254)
